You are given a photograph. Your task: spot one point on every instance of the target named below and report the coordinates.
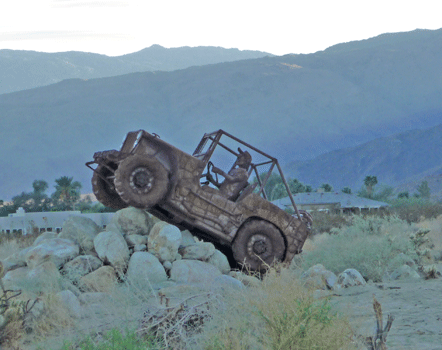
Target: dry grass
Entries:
(281, 314)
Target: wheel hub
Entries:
(141, 180)
(258, 245)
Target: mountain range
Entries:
(21, 70)
(294, 107)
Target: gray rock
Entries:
(145, 270)
(15, 279)
(133, 240)
(187, 239)
(350, 278)
(220, 261)
(404, 272)
(112, 248)
(132, 221)
(167, 265)
(70, 301)
(249, 281)
(140, 248)
(163, 241)
(57, 250)
(81, 230)
(200, 251)
(225, 282)
(45, 235)
(193, 271)
(16, 260)
(80, 266)
(318, 277)
(103, 279)
(45, 277)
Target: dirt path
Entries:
(416, 306)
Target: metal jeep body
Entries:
(151, 174)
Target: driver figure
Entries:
(236, 180)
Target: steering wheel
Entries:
(208, 175)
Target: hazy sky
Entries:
(116, 27)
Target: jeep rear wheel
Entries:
(258, 243)
(103, 189)
(141, 181)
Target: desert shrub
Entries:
(415, 209)
(324, 222)
(368, 245)
(280, 314)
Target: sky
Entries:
(117, 27)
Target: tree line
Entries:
(66, 196)
(275, 189)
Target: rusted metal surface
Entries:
(191, 203)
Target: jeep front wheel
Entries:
(102, 185)
(141, 181)
(258, 244)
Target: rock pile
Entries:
(136, 248)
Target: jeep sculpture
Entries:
(151, 174)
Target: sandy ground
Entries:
(416, 306)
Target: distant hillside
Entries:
(294, 107)
(20, 70)
(407, 158)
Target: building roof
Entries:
(344, 200)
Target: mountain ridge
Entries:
(23, 69)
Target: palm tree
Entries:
(370, 182)
(67, 191)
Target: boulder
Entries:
(132, 221)
(15, 279)
(145, 270)
(104, 279)
(57, 250)
(350, 278)
(163, 241)
(70, 302)
(187, 239)
(81, 230)
(200, 251)
(133, 240)
(225, 282)
(193, 271)
(220, 261)
(45, 235)
(318, 277)
(112, 248)
(80, 266)
(45, 277)
(16, 260)
(140, 248)
(404, 272)
(249, 281)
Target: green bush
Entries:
(324, 222)
(113, 340)
(415, 209)
(368, 245)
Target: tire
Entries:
(104, 193)
(258, 244)
(141, 181)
